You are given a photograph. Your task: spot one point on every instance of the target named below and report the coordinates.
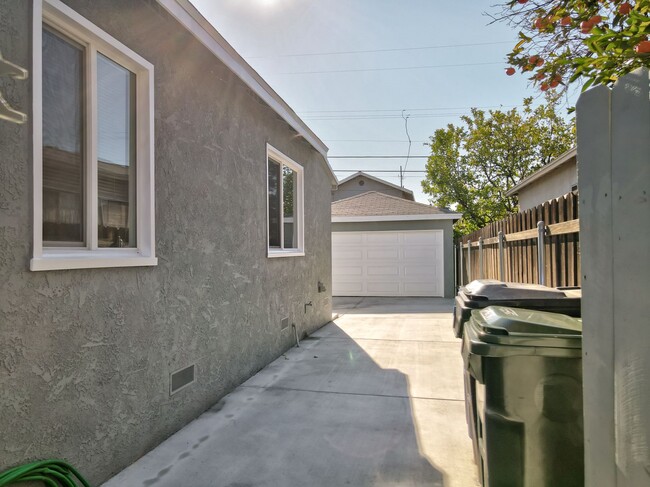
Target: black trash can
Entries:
(526, 366)
(489, 292)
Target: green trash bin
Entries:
(525, 367)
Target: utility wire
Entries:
(378, 170)
(408, 109)
(392, 69)
(396, 49)
(408, 153)
(376, 157)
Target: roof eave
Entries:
(188, 16)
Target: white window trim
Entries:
(299, 205)
(62, 18)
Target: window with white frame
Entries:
(93, 146)
(285, 189)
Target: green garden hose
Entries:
(52, 473)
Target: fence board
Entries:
(561, 246)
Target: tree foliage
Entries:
(562, 41)
(472, 165)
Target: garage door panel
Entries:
(424, 270)
(383, 254)
(351, 270)
(382, 238)
(421, 238)
(387, 288)
(349, 254)
(405, 263)
(383, 270)
(420, 253)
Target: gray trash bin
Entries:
(527, 400)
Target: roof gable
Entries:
(358, 174)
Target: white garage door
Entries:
(406, 263)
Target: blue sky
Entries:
(432, 59)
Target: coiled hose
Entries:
(53, 473)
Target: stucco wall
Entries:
(445, 225)
(552, 185)
(86, 354)
(352, 188)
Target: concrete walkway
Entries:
(373, 399)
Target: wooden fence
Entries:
(508, 250)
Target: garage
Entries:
(383, 245)
(386, 263)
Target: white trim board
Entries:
(395, 218)
(188, 16)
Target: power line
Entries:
(378, 170)
(376, 157)
(408, 109)
(392, 69)
(331, 53)
(383, 117)
(370, 140)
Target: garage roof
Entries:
(374, 206)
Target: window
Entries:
(93, 146)
(285, 205)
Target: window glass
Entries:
(116, 154)
(63, 161)
(289, 181)
(274, 204)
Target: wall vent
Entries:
(181, 379)
(284, 324)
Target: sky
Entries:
(354, 69)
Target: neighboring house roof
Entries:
(374, 178)
(185, 13)
(375, 206)
(540, 173)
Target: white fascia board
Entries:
(185, 13)
(395, 218)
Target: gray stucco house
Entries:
(384, 245)
(361, 182)
(164, 218)
(555, 179)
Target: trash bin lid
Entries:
(502, 320)
(493, 290)
(501, 331)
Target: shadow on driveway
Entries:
(333, 412)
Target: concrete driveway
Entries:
(373, 399)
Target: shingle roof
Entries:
(373, 203)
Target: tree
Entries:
(562, 41)
(471, 166)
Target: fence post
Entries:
(462, 270)
(502, 273)
(480, 257)
(541, 265)
(469, 260)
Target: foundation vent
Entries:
(284, 324)
(181, 379)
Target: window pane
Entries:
(63, 160)
(116, 154)
(274, 204)
(289, 191)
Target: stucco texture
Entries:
(448, 244)
(85, 355)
